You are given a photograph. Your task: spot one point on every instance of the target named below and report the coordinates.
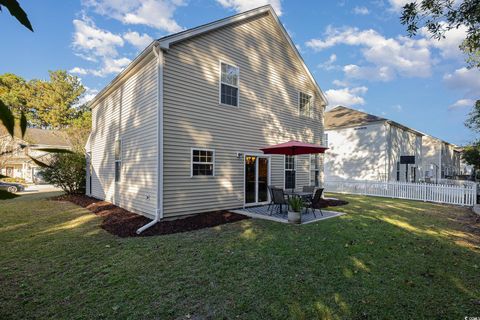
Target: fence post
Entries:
(425, 193)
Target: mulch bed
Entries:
(123, 223)
(324, 203)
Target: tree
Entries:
(471, 155)
(79, 128)
(53, 102)
(67, 171)
(14, 93)
(439, 16)
(45, 103)
(473, 120)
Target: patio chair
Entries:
(278, 199)
(308, 199)
(271, 196)
(317, 201)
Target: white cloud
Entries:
(108, 66)
(244, 5)
(329, 64)
(340, 83)
(153, 13)
(375, 73)
(91, 40)
(78, 70)
(448, 46)
(138, 40)
(361, 10)
(462, 103)
(87, 96)
(346, 96)
(463, 79)
(401, 56)
(397, 5)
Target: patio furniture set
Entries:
(279, 198)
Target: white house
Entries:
(178, 131)
(368, 147)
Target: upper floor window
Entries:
(229, 78)
(118, 160)
(305, 104)
(203, 162)
(325, 139)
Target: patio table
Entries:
(300, 194)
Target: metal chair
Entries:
(317, 201)
(278, 199)
(271, 196)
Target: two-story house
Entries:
(178, 132)
(363, 146)
(15, 153)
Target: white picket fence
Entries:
(465, 195)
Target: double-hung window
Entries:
(203, 162)
(229, 79)
(118, 160)
(290, 171)
(305, 104)
(315, 170)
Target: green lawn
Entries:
(383, 259)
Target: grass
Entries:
(7, 195)
(384, 259)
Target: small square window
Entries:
(202, 162)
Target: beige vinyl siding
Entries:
(270, 80)
(129, 113)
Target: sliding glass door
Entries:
(256, 179)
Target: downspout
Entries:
(159, 208)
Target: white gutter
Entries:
(159, 210)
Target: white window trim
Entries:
(311, 169)
(312, 105)
(220, 84)
(118, 160)
(191, 162)
(295, 162)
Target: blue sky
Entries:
(357, 51)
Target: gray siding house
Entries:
(363, 146)
(178, 132)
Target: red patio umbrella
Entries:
(293, 148)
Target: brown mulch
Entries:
(124, 223)
(324, 203)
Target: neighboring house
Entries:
(15, 161)
(367, 147)
(178, 132)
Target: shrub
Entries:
(67, 171)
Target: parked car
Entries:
(11, 187)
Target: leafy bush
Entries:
(296, 203)
(67, 171)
